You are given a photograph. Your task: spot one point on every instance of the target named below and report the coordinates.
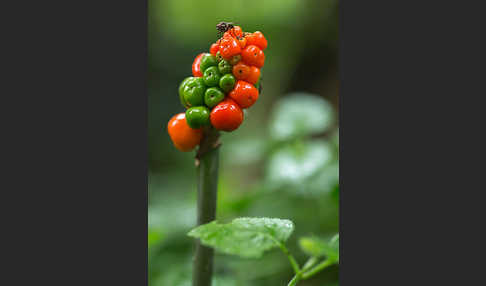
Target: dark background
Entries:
(301, 68)
(74, 143)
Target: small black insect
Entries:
(222, 27)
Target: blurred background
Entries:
(283, 160)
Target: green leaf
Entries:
(300, 114)
(245, 237)
(314, 246)
(294, 165)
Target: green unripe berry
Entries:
(207, 61)
(224, 67)
(211, 76)
(197, 117)
(227, 82)
(219, 57)
(194, 92)
(181, 90)
(213, 96)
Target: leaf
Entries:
(314, 246)
(245, 237)
(300, 114)
(294, 165)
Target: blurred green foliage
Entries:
(315, 246)
(267, 168)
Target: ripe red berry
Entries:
(241, 70)
(244, 93)
(184, 137)
(253, 55)
(253, 75)
(236, 32)
(257, 39)
(227, 115)
(196, 66)
(229, 47)
(214, 49)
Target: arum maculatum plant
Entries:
(224, 82)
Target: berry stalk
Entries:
(207, 162)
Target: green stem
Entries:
(291, 258)
(319, 267)
(294, 280)
(310, 262)
(207, 162)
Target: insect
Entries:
(222, 27)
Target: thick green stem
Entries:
(207, 162)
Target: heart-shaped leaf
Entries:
(245, 237)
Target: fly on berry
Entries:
(222, 27)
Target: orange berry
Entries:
(236, 32)
(214, 49)
(253, 55)
(242, 42)
(227, 115)
(184, 137)
(244, 93)
(241, 70)
(257, 39)
(229, 47)
(254, 75)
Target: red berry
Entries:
(257, 39)
(184, 137)
(214, 49)
(244, 93)
(253, 55)
(196, 68)
(227, 115)
(253, 75)
(241, 70)
(229, 47)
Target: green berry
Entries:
(181, 90)
(197, 117)
(219, 57)
(194, 92)
(227, 82)
(211, 76)
(213, 96)
(224, 67)
(207, 61)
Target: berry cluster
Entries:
(224, 82)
